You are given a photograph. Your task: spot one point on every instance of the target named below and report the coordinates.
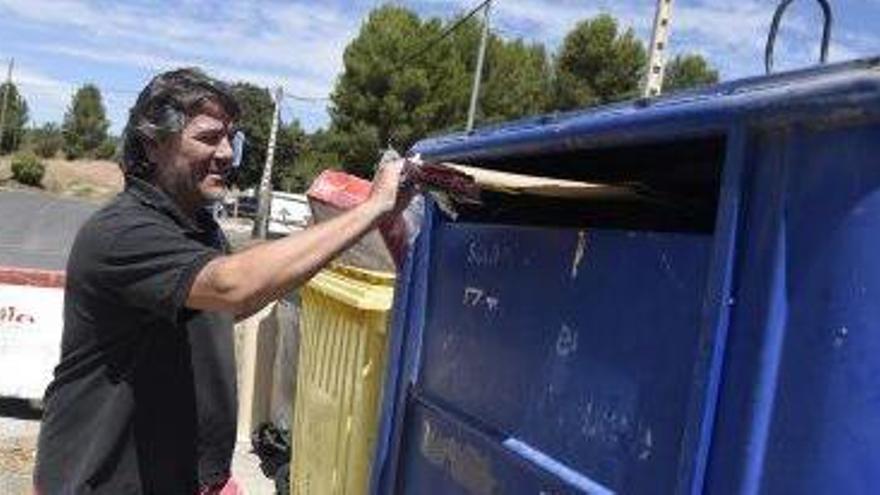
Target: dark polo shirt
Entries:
(144, 398)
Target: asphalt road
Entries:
(37, 229)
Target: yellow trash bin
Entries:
(343, 329)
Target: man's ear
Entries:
(158, 148)
(153, 150)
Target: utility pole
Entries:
(657, 55)
(261, 221)
(6, 99)
(478, 72)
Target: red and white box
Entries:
(31, 322)
(334, 192)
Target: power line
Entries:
(121, 91)
(72, 87)
(308, 99)
(503, 31)
(288, 113)
(442, 36)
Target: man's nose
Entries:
(224, 151)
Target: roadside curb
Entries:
(31, 277)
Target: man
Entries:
(144, 400)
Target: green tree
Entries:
(108, 150)
(16, 118)
(257, 109)
(380, 98)
(597, 64)
(388, 96)
(688, 71)
(313, 157)
(356, 147)
(290, 144)
(517, 81)
(85, 123)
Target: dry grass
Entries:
(17, 457)
(5, 172)
(92, 180)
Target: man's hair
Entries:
(162, 109)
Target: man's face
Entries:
(192, 166)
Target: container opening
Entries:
(675, 187)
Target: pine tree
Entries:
(688, 71)
(16, 118)
(598, 64)
(85, 123)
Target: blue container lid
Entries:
(852, 88)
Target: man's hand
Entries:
(385, 194)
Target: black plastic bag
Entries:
(272, 446)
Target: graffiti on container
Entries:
(578, 253)
(566, 342)
(472, 296)
(476, 297)
(840, 336)
(465, 464)
(492, 303)
(646, 445)
(494, 254)
(670, 272)
(605, 424)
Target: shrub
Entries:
(85, 123)
(73, 151)
(47, 140)
(107, 150)
(28, 169)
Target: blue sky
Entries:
(60, 44)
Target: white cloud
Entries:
(294, 42)
(156, 63)
(53, 94)
(731, 34)
(723, 30)
(296, 45)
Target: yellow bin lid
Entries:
(356, 287)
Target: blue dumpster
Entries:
(721, 336)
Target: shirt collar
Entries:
(159, 200)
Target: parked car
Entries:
(247, 206)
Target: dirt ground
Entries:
(92, 180)
(19, 428)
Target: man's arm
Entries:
(244, 282)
